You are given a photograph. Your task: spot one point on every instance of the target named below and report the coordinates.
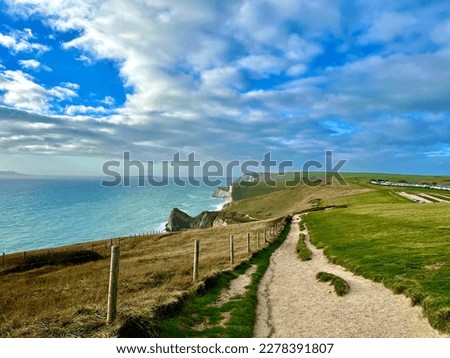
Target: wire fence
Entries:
(96, 250)
(154, 266)
(70, 254)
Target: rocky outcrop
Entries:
(179, 220)
(204, 219)
(223, 193)
(230, 217)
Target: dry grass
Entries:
(293, 199)
(57, 299)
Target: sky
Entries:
(82, 81)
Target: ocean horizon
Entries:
(44, 212)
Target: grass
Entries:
(282, 202)
(47, 297)
(304, 253)
(403, 245)
(301, 225)
(341, 286)
(442, 196)
(200, 317)
(381, 236)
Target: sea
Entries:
(40, 213)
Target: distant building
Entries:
(411, 185)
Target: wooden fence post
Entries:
(248, 242)
(3, 259)
(257, 240)
(231, 250)
(113, 284)
(196, 259)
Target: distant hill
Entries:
(11, 174)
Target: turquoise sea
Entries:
(40, 213)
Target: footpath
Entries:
(292, 303)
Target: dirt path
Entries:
(292, 303)
(237, 288)
(413, 197)
(432, 197)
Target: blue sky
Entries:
(82, 81)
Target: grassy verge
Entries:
(301, 226)
(303, 252)
(341, 286)
(403, 246)
(59, 293)
(199, 317)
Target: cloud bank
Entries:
(232, 80)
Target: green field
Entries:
(389, 239)
(380, 234)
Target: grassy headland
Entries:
(380, 235)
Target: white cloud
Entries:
(108, 100)
(40, 125)
(81, 109)
(22, 92)
(263, 65)
(71, 85)
(7, 41)
(85, 59)
(221, 81)
(296, 70)
(184, 66)
(19, 41)
(61, 93)
(300, 50)
(441, 33)
(388, 26)
(395, 83)
(163, 48)
(33, 65)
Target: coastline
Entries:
(158, 229)
(62, 212)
